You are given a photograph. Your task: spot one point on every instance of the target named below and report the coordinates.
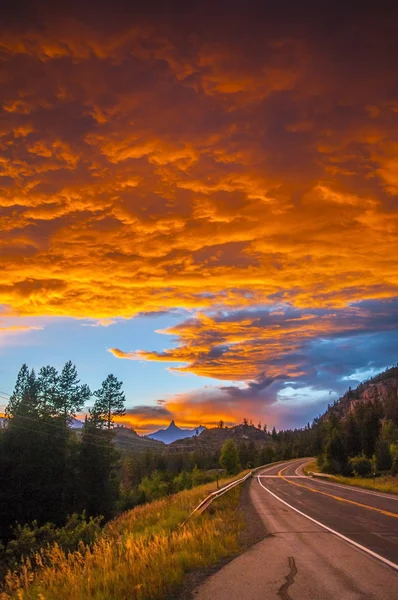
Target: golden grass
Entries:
(385, 484)
(143, 554)
(311, 467)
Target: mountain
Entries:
(76, 423)
(213, 439)
(383, 389)
(127, 439)
(173, 433)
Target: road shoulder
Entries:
(252, 533)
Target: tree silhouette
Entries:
(109, 402)
(72, 396)
(229, 459)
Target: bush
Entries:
(130, 499)
(183, 481)
(29, 539)
(383, 455)
(394, 468)
(229, 459)
(154, 487)
(361, 466)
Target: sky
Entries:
(201, 198)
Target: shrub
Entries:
(183, 481)
(29, 539)
(229, 459)
(361, 466)
(383, 455)
(154, 487)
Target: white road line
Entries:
(278, 477)
(350, 488)
(340, 535)
(298, 474)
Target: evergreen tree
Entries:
(353, 436)
(251, 454)
(97, 468)
(383, 455)
(72, 395)
(23, 400)
(243, 454)
(336, 458)
(229, 459)
(48, 390)
(109, 401)
(267, 455)
(370, 427)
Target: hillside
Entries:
(127, 439)
(213, 439)
(382, 388)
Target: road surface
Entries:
(324, 541)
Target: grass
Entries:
(311, 467)
(143, 554)
(385, 483)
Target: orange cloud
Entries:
(162, 165)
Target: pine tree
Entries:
(48, 390)
(72, 395)
(383, 455)
(109, 401)
(24, 399)
(229, 459)
(370, 428)
(98, 481)
(353, 435)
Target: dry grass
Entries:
(143, 554)
(385, 484)
(311, 467)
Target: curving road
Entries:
(324, 541)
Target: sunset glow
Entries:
(207, 210)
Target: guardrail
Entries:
(209, 499)
(320, 475)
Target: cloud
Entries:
(162, 163)
(283, 366)
(260, 345)
(9, 329)
(239, 169)
(100, 323)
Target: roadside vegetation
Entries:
(143, 554)
(382, 483)
(63, 489)
(385, 483)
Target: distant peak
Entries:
(172, 425)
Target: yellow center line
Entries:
(339, 498)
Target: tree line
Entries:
(48, 472)
(59, 483)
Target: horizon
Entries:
(212, 218)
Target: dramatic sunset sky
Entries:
(201, 198)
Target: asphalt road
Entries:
(324, 541)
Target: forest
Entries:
(62, 485)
